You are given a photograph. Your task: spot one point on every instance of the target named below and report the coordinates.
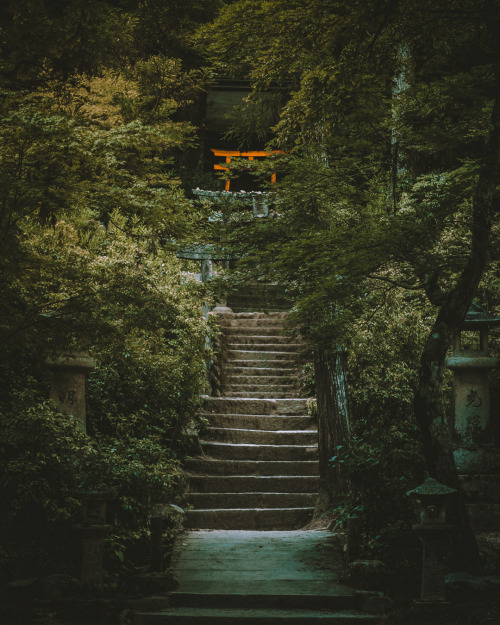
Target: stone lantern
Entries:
(68, 384)
(433, 531)
(476, 458)
(93, 529)
(471, 365)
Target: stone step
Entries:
(254, 315)
(261, 437)
(252, 319)
(287, 572)
(233, 451)
(259, 422)
(339, 599)
(232, 405)
(262, 394)
(252, 467)
(253, 326)
(298, 348)
(239, 616)
(269, 371)
(258, 339)
(249, 518)
(251, 355)
(270, 363)
(261, 330)
(253, 484)
(261, 379)
(252, 500)
(256, 307)
(260, 386)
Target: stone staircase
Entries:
(246, 562)
(260, 470)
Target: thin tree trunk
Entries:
(333, 425)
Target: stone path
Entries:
(259, 472)
(260, 578)
(260, 467)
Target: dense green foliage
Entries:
(391, 127)
(388, 114)
(90, 137)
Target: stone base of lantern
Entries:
(93, 538)
(479, 471)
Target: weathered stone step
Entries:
(270, 364)
(338, 598)
(248, 354)
(253, 484)
(208, 466)
(259, 422)
(253, 315)
(237, 616)
(267, 371)
(231, 405)
(261, 315)
(254, 326)
(233, 451)
(298, 348)
(261, 339)
(256, 329)
(260, 385)
(290, 394)
(261, 437)
(252, 500)
(249, 519)
(252, 319)
(261, 378)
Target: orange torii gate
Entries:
(229, 154)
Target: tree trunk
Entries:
(333, 425)
(429, 406)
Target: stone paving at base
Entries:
(259, 577)
(260, 561)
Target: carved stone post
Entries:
(159, 513)
(433, 532)
(93, 531)
(475, 456)
(68, 384)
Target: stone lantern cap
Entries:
(74, 361)
(478, 318)
(431, 490)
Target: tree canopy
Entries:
(392, 131)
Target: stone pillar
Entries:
(93, 531)
(68, 384)
(471, 397)
(435, 547)
(433, 531)
(476, 458)
(207, 270)
(159, 513)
